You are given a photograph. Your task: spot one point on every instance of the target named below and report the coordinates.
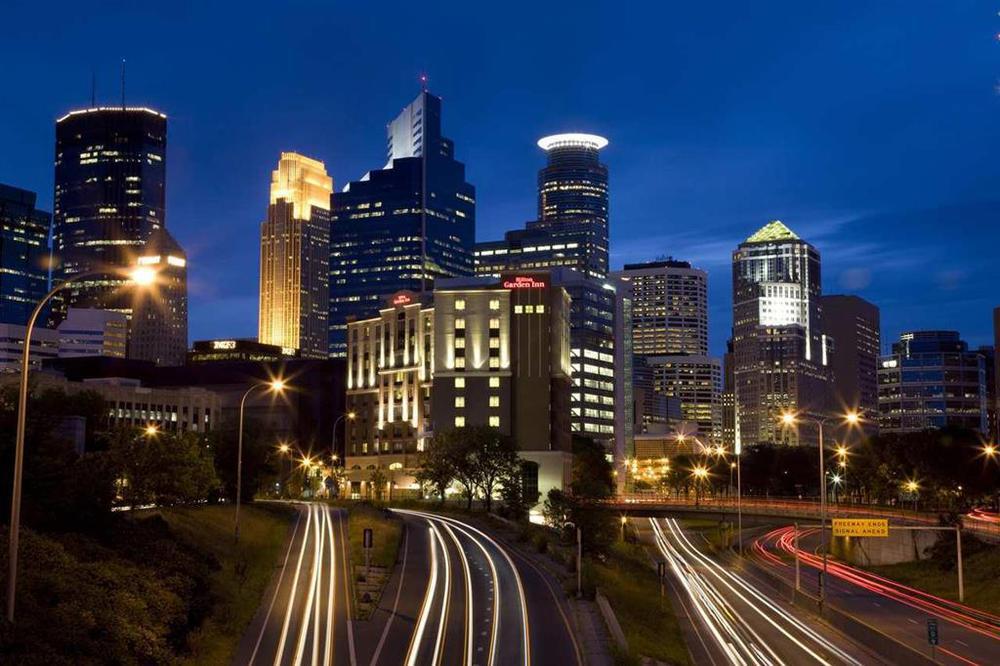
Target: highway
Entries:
(735, 617)
(967, 636)
(305, 617)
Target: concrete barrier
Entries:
(611, 620)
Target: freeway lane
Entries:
(306, 619)
(736, 621)
(967, 636)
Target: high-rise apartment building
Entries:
(295, 256)
(854, 325)
(400, 227)
(669, 307)
(932, 380)
(572, 226)
(159, 328)
(24, 255)
(779, 348)
(90, 332)
(110, 195)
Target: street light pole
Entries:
(277, 386)
(142, 277)
(333, 439)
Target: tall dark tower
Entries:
(110, 196)
(159, 328)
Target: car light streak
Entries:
(425, 607)
(279, 652)
(469, 615)
(445, 597)
(973, 619)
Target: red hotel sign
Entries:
(402, 299)
(523, 282)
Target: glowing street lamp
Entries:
(276, 386)
(141, 277)
(151, 430)
(700, 473)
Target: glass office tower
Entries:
(24, 255)
(110, 195)
(402, 226)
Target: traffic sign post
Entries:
(366, 543)
(661, 572)
(932, 636)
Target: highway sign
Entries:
(860, 527)
(367, 540)
(932, 632)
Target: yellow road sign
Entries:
(860, 527)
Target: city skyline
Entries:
(683, 186)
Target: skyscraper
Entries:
(110, 195)
(670, 307)
(932, 380)
(24, 255)
(696, 381)
(779, 349)
(294, 257)
(572, 226)
(159, 328)
(400, 227)
(853, 323)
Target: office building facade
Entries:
(110, 195)
(670, 307)
(295, 256)
(159, 327)
(44, 345)
(571, 229)
(780, 353)
(696, 381)
(854, 325)
(932, 380)
(228, 350)
(24, 255)
(401, 227)
(90, 332)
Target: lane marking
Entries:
(395, 604)
(277, 587)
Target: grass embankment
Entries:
(714, 533)
(386, 531)
(633, 590)
(237, 585)
(979, 570)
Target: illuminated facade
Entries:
(669, 307)
(110, 196)
(932, 380)
(400, 227)
(390, 368)
(696, 381)
(89, 332)
(779, 350)
(572, 226)
(159, 327)
(294, 257)
(24, 255)
(216, 351)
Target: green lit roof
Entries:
(772, 231)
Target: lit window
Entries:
(459, 343)
(495, 343)
(518, 309)
(494, 382)
(539, 309)
(494, 362)
(460, 304)
(494, 304)
(460, 322)
(494, 401)
(460, 363)
(460, 401)
(459, 421)
(530, 309)
(459, 382)
(494, 421)
(494, 324)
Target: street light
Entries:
(333, 439)
(852, 418)
(143, 276)
(151, 430)
(699, 473)
(276, 386)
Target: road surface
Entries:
(966, 636)
(736, 618)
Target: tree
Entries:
(436, 467)
(593, 481)
(458, 446)
(495, 458)
(163, 469)
(376, 483)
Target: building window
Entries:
(518, 309)
(494, 362)
(494, 421)
(494, 324)
(459, 343)
(494, 304)
(494, 401)
(459, 303)
(494, 382)
(460, 322)
(459, 382)
(459, 421)
(529, 309)
(460, 363)
(495, 343)
(460, 401)
(540, 309)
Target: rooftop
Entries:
(572, 140)
(772, 231)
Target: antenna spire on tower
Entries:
(423, 82)
(93, 89)
(123, 84)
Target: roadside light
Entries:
(284, 448)
(700, 472)
(841, 450)
(788, 418)
(277, 385)
(352, 415)
(836, 479)
(151, 430)
(852, 418)
(990, 450)
(911, 486)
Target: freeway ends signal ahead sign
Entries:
(860, 527)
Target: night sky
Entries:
(870, 128)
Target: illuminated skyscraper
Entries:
(160, 314)
(572, 226)
(110, 196)
(24, 255)
(294, 257)
(400, 227)
(779, 349)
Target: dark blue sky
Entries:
(870, 128)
